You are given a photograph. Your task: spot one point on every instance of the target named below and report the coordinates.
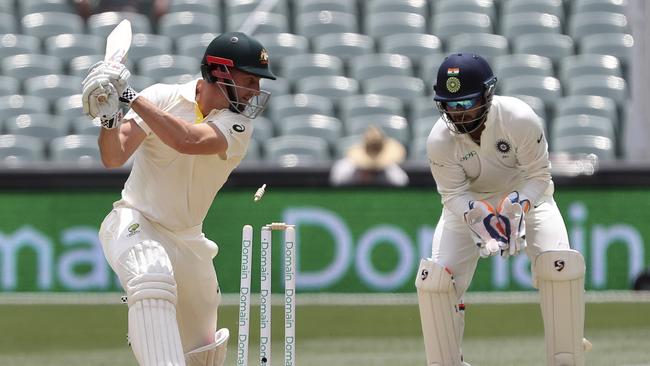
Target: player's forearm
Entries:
(111, 148)
(173, 131)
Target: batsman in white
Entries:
(186, 140)
(489, 158)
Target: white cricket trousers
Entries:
(454, 248)
(191, 255)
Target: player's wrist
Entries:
(128, 95)
(111, 122)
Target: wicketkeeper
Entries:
(186, 140)
(489, 157)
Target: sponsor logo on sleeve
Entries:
(238, 127)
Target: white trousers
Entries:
(454, 248)
(191, 255)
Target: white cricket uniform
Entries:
(168, 195)
(512, 156)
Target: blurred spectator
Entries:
(371, 162)
(152, 8)
(642, 282)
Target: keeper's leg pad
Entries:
(439, 313)
(214, 354)
(153, 329)
(560, 277)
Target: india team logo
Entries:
(453, 84)
(503, 146)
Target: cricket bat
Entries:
(118, 43)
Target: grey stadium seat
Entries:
(8, 85)
(80, 65)
(265, 23)
(307, 6)
(43, 25)
(423, 107)
(52, 87)
(486, 7)
(422, 127)
(297, 67)
(485, 44)
(613, 87)
(175, 25)
(194, 45)
(7, 6)
(611, 6)
(344, 45)
(323, 22)
(345, 143)
(379, 25)
(370, 104)
(159, 67)
(588, 104)
(615, 44)
(553, 7)
(279, 86)
(263, 129)
(16, 149)
(232, 7)
(393, 125)
(547, 88)
(406, 88)
(101, 24)
(552, 45)
(370, 66)
(446, 25)
(13, 105)
(180, 79)
(83, 125)
(392, 6)
(412, 45)
(418, 149)
(281, 45)
(600, 146)
(69, 107)
(81, 150)
(538, 106)
(295, 150)
(584, 24)
(8, 24)
(517, 24)
(199, 6)
(428, 70)
(139, 82)
(582, 124)
(290, 105)
(29, 65)
(68, 46)
(16, 44)
(589, 64)
(145, 45)
(317, 125)
(513, 65)
(253, 154)
(41, 6)
(334, 87)
(39, 125)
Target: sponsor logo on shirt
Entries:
(133, 229)
(541, 136)
(468, 155)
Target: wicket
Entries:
(289, 304)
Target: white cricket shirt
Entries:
(174, 189)
(513, 155)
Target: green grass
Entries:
(509, 334)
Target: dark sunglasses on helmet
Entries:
(463, 104)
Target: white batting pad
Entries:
(439, 314)
(153, 330)
(560, 277)
(214, 354)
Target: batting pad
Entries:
(153, 330)
(560, 277)
(441, 321)
(214, 354)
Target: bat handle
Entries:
(102, 98)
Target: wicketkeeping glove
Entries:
(486, 229)
(512, 212)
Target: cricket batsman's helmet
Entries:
(465, 83)
(236, 50)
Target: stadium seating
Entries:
(391, 6)
(13, 105)
(290, 105)
(47, 24)
(486, 7)
(81, 150)
(366, 67)
(158, 67)
(334, 87)
(16, 44)
(176, 25)
(301, 66)
(197, 6)
(281, 45)
(379, 25)
(405, 88)
(344, 45)
(588, 104)
(17, 149)
(41, 6)
(38, 125)
(412, 45)
(68, 46)
(8, 85)
(584, 24)
(485, 44)
(8, 24)
(296, 150)
(553, 7)
(307, 6)
(101, 24)
(318, 23)
(145, 45)
(393, 125)
(193, 45)
(612, 6)
(588, 64)
(326, 127)
(552, 45)
(260, 23)
(52, 87)
(513, 65)
(615, 44)
(450, 24)
(370, 104)
(517, 24)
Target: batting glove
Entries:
(486, 229)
